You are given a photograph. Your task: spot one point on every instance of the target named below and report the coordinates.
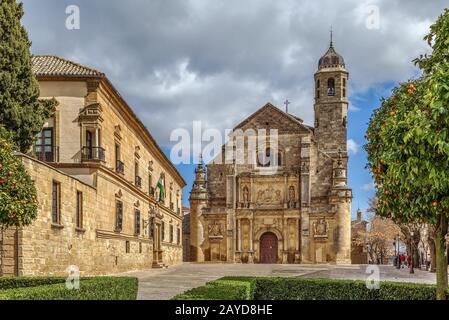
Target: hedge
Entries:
(98, 288)
(222, 289)
(330, 289)
(21, 282)
(247, 288)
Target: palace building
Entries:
(109, 199)
(298, 213)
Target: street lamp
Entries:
(395, 254)
(412, 235)
(398, 264)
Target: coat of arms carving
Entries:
(320, 228)
(215, 229)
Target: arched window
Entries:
(331, 87)
(318, 89)
(344, 87)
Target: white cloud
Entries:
(367, 187)
(353, 147)
(178, 61)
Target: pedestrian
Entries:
(409, 261)
(402, 260)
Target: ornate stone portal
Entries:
(295, 212)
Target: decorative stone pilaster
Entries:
(341, 198)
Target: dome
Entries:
(331, 59)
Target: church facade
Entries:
(298, 213)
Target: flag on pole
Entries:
(161, 186)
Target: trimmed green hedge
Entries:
(98, 288)
(222, 289)
(21, 282)
(330, 289)
(247, 288)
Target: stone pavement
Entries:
(163, 284)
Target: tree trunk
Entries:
(431, 241)
(1, 251)
(441, 257)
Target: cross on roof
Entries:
(286, 102)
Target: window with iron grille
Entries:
(127, 247)
(163, 230)
(178, 236)
(152, 228)
(171, 234)
(79, 209)
(137, 222)
(56, 202)
(119, 215)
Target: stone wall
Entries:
(48, 249)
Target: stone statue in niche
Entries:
(320, 228)
(245, 194)
(215, 229)
(291, 197)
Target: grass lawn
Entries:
(265, 288)
(54, 288)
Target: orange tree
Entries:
(18, 201)
(408, 147)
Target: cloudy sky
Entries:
(220, 60)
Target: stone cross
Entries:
(286, 105)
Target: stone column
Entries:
(344, 232)
(251, 241)
(97, 137)
(285, 239)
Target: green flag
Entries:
(161, 186)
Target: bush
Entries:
(98, 288)
(330, 289)
(246, 288)
(222, 289)
(21, 282)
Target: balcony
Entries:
(138, 182)
(51, 154)
(120, 167)
(92, 154)
(151, 191)
(172, 206)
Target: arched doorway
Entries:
(268, 248)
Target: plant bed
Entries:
(95, 288)
(247, 288)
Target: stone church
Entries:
(298, 213)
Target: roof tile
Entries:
(48, 65)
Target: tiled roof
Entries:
(48, 65)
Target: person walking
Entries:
(402, 260)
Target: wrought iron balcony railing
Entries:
(47, 154)
(138, 182)
(120, 167)
(93, 153)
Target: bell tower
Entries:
(331, 101)
(331, 111)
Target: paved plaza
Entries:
(162, 284)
